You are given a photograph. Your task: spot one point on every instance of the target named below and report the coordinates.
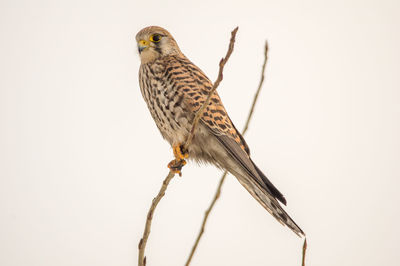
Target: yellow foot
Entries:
(176, 166)
(180, 156)
(179, 152)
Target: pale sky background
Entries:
(81, 158)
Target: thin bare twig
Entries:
(171, 174)
(146, 233)
(303, 259)
(221, 182)
(246, 126)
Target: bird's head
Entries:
(154, 42)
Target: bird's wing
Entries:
(196, 87)
(216, 119)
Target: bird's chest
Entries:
(165, 103)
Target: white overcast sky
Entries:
(81, 158)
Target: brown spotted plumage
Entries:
(174, 89)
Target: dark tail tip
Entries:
(274, 191)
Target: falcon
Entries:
(174, 89)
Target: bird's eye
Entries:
(155, 38)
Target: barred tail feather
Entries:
(269, 203)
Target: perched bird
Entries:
(174, 89)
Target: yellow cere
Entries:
(143, 43)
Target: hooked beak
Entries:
(142, 44)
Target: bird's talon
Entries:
(180, 153)
(184, 152)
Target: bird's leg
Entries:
(179, 161)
